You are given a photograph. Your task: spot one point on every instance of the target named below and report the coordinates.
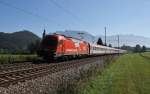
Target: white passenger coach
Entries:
(99, 49)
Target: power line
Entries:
(64, 9)
(76, 17)
(26, 12)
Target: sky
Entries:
(119, 16)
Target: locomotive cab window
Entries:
(50, 41)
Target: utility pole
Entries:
(105, 36)
(118, 41)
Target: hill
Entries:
(17, 40)
(78, 34)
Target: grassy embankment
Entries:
(8, 58)
(130, 74)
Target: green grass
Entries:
(129, 74)
(8, 58)
(147, 54)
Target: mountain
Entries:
(130, 40)
(78, 34)
(17, 40)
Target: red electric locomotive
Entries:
(60, 46)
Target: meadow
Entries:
(8, 58)
(129, 74)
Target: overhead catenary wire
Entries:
(45, 19)
(27, 12)
(64, 9)
(67, 11)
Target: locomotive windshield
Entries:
(50, 41)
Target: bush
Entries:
(6, 59)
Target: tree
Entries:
(100, 42)
(110, 45)
(143, 48)
(128, 48)
(137, 48)
(33, 46)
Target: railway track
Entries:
(16, 66)
(13, 76)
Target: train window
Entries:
(47, 41)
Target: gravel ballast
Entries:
(51, 83)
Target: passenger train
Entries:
(61, 46)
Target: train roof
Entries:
(67, 37)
